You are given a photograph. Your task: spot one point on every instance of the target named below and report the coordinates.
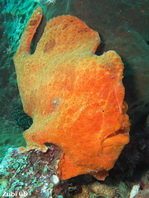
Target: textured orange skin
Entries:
(76, 98)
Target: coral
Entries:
(75, 98)
(144, 186)
(102, 189)
(33, 172)
(107, 190)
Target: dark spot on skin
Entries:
(49, 45)
(71, 20)
(33, 22)
(65, 26)
(83, 30)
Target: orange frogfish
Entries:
(75, 98)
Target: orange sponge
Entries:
(76, 98)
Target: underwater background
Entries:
(124, 27)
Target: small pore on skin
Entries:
(33, 22)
